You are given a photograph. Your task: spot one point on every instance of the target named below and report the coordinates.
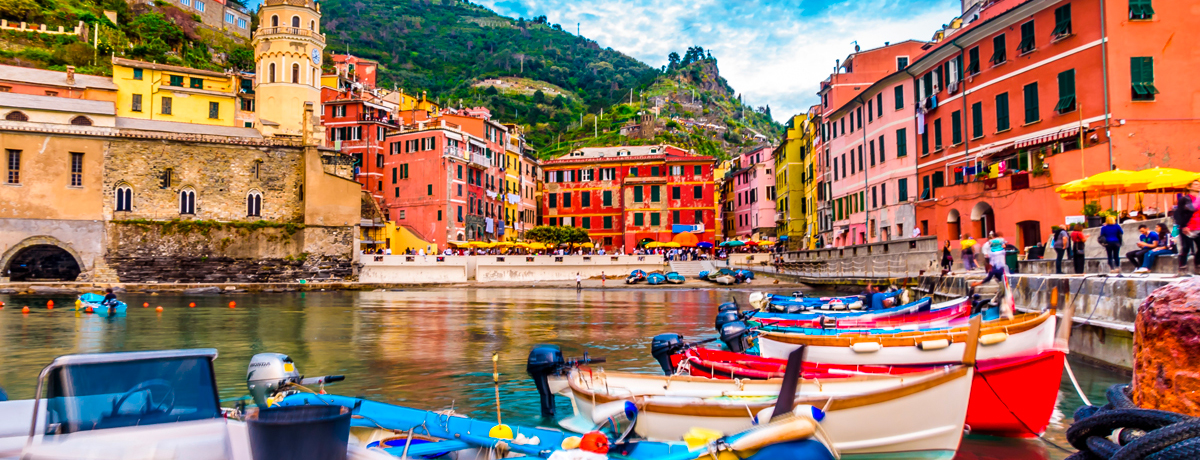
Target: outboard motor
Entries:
(545, 360)
(663, 346)
(794, 309)
(734, 334)
(271, 373)
(725, 317)
(728, 306)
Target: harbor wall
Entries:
(412, 269)
(443, 269)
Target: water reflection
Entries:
(426, 348)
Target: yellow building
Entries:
(794, 187)
(287, 53)
(512, 184)
(812, 145)
(720, 169)
(169, 93)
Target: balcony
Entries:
(385, 120)
(480, 160)
(297, 31)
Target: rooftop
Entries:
(186, 128)
(54, 78)
(58, 104)
(164, 67)
(618, 151)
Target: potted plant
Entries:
(1092, 212)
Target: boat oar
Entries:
(501, 430)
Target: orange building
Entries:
(1023, 96)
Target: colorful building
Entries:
(810, 183)
(171, 93)
(38, 82)
(1024, 96)
(357, 118)
(627, 195)
(753, 187)
(520, 177)
(868, 118)
(790, 159)
(288, 47)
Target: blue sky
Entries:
(773, 51)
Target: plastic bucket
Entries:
(300, 433)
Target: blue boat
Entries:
(96, 303)
(744, 274)
(426, 434)
(635, 277)
(702, 275)
(656, 278)
(675, 278)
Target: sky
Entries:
(775, 52)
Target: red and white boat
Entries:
(952, 313)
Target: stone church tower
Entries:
(288, 48)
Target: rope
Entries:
(1144, 433)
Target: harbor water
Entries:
(428, 348)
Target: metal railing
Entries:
(892, 259)
(290, 31)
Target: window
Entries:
(137, 103)
(80, 120)
(872, 150)
(312, 25)
(639, 219)
(655, 218)
(608, 221)
(1027, 41)
(607, 198)
(1062, 21)
(196, 83)
(675, 193)
(898, 94)
(1066, 92)
(870, 111)
(429, 189)
(879, 104)
(902, 187)
(166, 105)
(16, 115)
(254, 205)
(697, 170)
(973, 61)
(460, 218)
(585, 222)
(295, 73)
(214, 110)
(76, 169)
(699, 217)
(654, 171)
(199, 6)
(585, 199)
(976, 120)
(14, 166)
(587, 175)
(1140, 9)
(186, 2)
(654, 195)
(274, 21)
(633, 171)
(697, 191)
(271, 73)
(566, 199)
(1031, 103)
(1002, 112)
(999, 55)
(229, 17)
(124, 199)
(956, 127)
(637, 194)
(1142, 75)
(241, 23)
(937, 134)
(925, 142)
(901, 62)
(552, 200)
(176, 80)
(296, 21)
(187, 202)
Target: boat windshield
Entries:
(83, 397)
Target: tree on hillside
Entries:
(557, 235)
(672, 60)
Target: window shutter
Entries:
(1031, 103)
(1066, 92)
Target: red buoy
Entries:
(158, 309)
(145, 304)
(192, 305)
(232, 304)
(88, 309)
(24, 309)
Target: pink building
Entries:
(753, 184)
(868, 146)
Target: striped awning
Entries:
(1048, 138)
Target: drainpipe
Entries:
(916, 163)
(1104, 73)
(866, 185)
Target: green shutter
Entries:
(937, 134)
(1027, 41)
(1142, 77)
(607, 221)
(1140, 9)
(901, 142)
(973, 61)
(639, 218)
(674, 193)
(1062, 21)
(637, 194)
(999, 55)
(956, 127)
(899, 96)
(925, 141)
(1066, 92)
(1002, 112)
(608, 198)
(1031, 103)
(654, 194)
(655, 218)
(903, 185)
(977, 120)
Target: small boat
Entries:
(1010, 397)
(723, 276)
(635, 277)
(703, 275)
(675, 278)
(917, 315)
(791, 305)
(94, 303)
(656, 278)
(744, 274)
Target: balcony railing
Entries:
(370, 117)
(290, 31)
(481, 160)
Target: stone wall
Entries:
(210, 252)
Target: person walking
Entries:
(947, 257)
(1164, 246)
(1188, 221)
(578, 281)
(602, 279)
(1060, 240)
(1147, 241)
(1111, 235)
(995, 248)
(968, 253)
(1077, 246)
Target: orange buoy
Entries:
(24, 309)
(192, 305)
(145, 304)
(49, 304)
(232, 304)
(88, 309)
(158, 309)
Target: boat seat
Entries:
(420, 450)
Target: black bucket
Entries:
(300, 433)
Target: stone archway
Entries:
(42, 257)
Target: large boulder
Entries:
(1166, 349)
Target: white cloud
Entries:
(774, 52)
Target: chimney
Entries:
(70, 75)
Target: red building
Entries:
(626, 195)
(1027, 95)
(357, 117)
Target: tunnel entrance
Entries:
(42, 262)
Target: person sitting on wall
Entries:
(1164, 247)
(1147, 241)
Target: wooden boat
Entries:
(791, 305)
(918, 414)
(400, 430)
(675, 278)
(1026, 335)
(95, 302)
(917, 313)
(635, 277)
(1011, 397)
(656, 278)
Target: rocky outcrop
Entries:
(1166, 349)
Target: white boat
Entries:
(912, 416)
(1025, 335)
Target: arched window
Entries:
(124, 198)
(187, 201)
(274, 21)
(295, 73)
(254, 204)
(81, 120)
(296, 21)
(312, 25)
(16, 115)
(271, 73)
